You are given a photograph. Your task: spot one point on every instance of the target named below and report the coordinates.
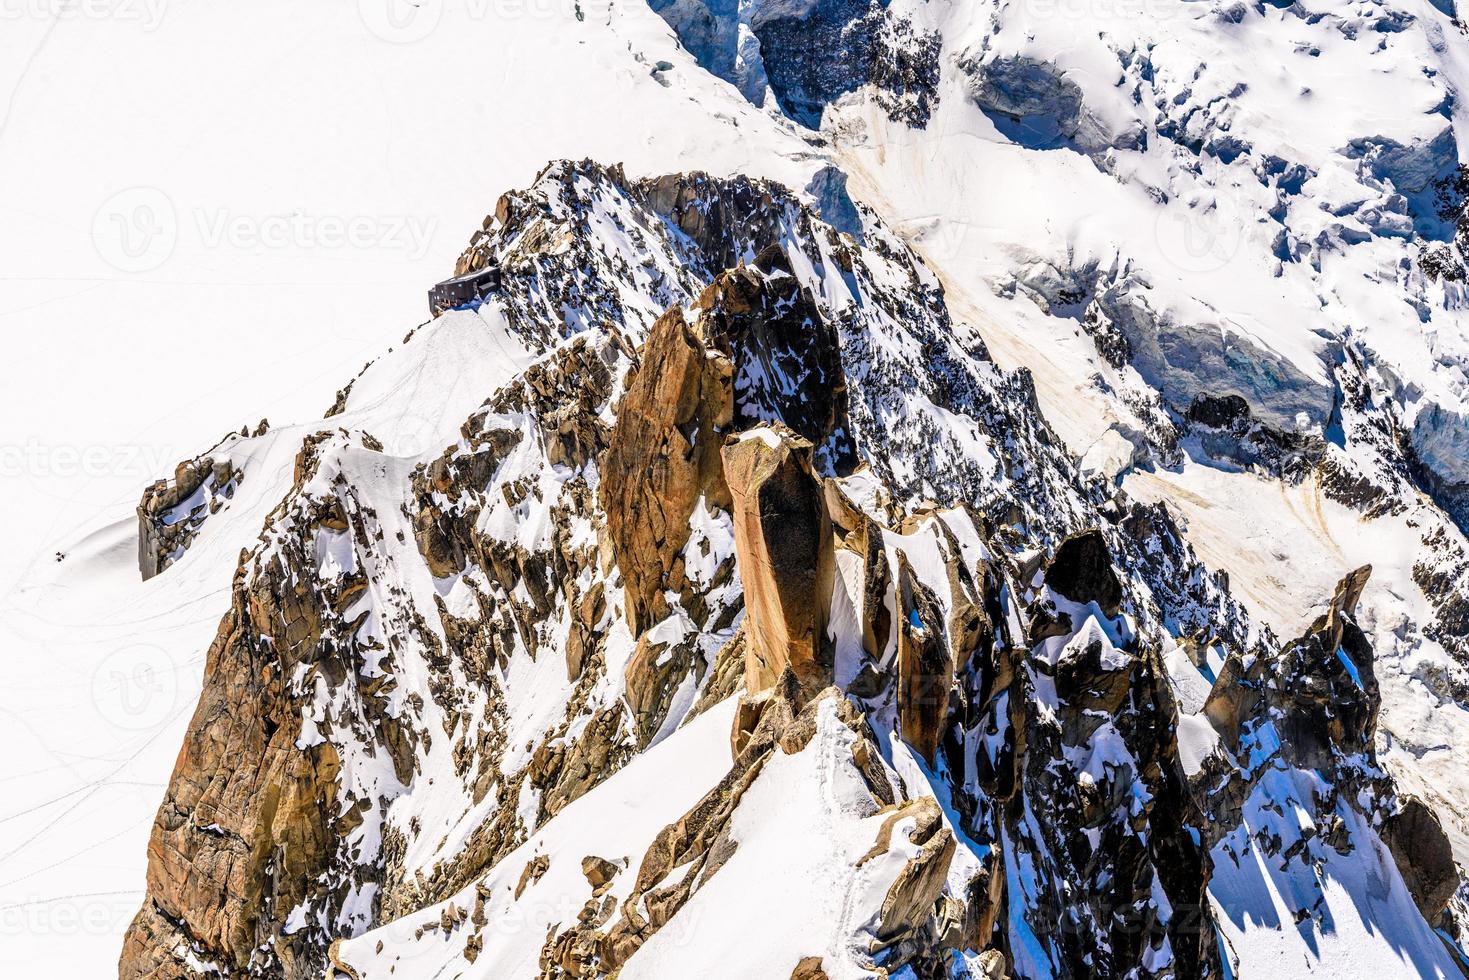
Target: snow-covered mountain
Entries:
(917, 490)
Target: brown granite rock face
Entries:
(784, 549)
(1423, 854)
(786, 360)
(165, 529)
(650, 680)
(662, 457)
(248, 818)
(809, 968)
(911, 897)
(1233, 699)
(254, 814)
(599, 872)
(925, 664)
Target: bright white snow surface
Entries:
(1364, 925)
(616, 824)
(804, 829)
(216, 212)
(1201, 232)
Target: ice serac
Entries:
(809, 53)
(1033, 103)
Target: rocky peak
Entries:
(1081, 570)
(786, 356)
(1320, 689)
(1298, 730)
(752, 484)
(783, 546)
(172, 511)
(663, 459)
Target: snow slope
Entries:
(293, 191)
(263, 145)
(1202, 214)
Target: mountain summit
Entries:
(978, 491)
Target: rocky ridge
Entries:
(751, 470)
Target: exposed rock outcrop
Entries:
(255, 813)
(1321, 690)
(1099, 796)
(925, 663)
(753, 453)
(783, 542)
(1303, 726)
(172, 511)
(1423, 854)
(662, 459)
(786, 359)
(1081, 571)
(687, 853)
(910, 899)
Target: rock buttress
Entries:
(784, 549)
(1098, 829)
(662, 457)
(786, 358)
(254, 820)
